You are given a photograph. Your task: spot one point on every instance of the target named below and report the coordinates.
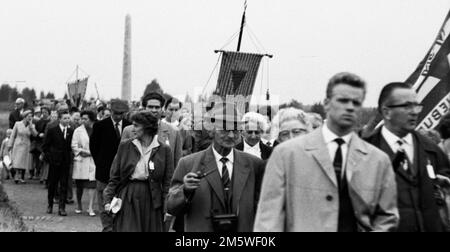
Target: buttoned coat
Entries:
(208, 199)
(300, 192)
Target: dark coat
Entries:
(247, 177)
(125, 163)
(266, 151)
(103, 145)
(14, 117)
(58, 151)
(409, 187)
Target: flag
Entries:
(77, 91)
(238, 73)
(431, 80)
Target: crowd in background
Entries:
(150, 167)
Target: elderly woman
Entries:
(290, 123)
(21, 145)
(83, 164)
(140, 178)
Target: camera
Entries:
(225, 223)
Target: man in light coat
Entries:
(330, 180)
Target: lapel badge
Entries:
(430, 170)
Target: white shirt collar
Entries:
(230, 156)
(255, 150)
(330, 136)
(62, 127)
(392, 139)
(114, 123)
(153, 145)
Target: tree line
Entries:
(10, 94)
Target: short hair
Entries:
(288, 114)
(315, 119)
(26, 112)
(388, 90)
(173, 100)
(256, 118)
(46, 108)
(153, 96)
(346, 78)
(62, 112)
(74, 109)
(444, 127)
(147, 120)
(91, 115)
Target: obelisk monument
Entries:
(126, 72)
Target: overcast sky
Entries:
(42, 41)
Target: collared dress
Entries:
(21, 145)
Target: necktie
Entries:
(402, 156)
(117, 130)
(338, 160)
(226, 181)
(64, 133)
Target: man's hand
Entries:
(443, 180)
(191, 181)
(41, 135)
(41, 157)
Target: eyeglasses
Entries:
(251, 132)
(173, 109)
(285, 134)
(410, 106)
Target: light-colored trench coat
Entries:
(83, 167)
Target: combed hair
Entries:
(345, 78)
(147, 120)
(388, 90)
(256, 118)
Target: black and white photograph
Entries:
(224, 117)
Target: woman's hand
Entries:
(108, 207)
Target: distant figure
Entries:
(254, 126)
(58, 152)
(15, 115)
(83, 163)
(4, 173)
(104, 142)
(20, 145)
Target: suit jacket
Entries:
(422, 185)
(167, 134)
(300, 192)
(58, 150)
(123, 167)
(208, 199)
(14, 117)
(266, 151)
(103, 145)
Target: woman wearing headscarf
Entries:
(21, 145)
(83, 163)
(140, 178)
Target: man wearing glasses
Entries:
(254, 126)
(418, 163)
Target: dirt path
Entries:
(31, 198)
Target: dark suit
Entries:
(209, 197)
(417, 206)
(103, 144)
(59, 155)
(266, 151)
(14, 116)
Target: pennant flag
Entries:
(431, 80)
(238, 73)
(77, 91)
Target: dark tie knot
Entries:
(400, 142)
(339, 141)
(224, 160)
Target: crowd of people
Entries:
(156, 168)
